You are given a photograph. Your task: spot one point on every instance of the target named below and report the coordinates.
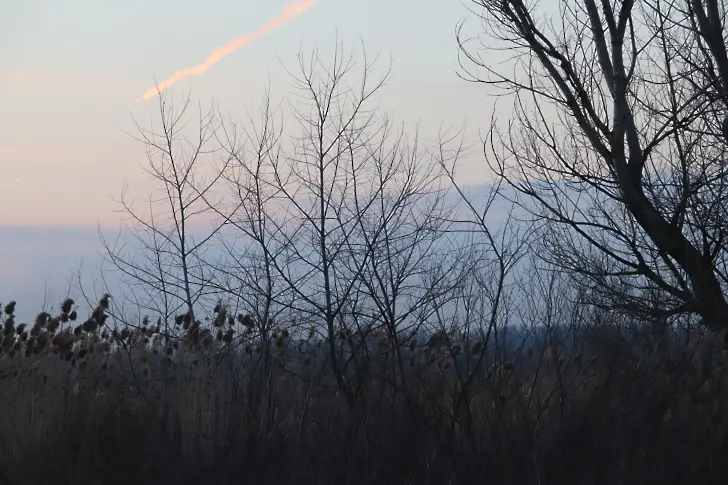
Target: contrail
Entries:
(288, 14)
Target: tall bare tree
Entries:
(165, 259)
(341, 224)
(618, 142)
(326, 187)
(250, 210)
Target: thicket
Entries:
(84, 402)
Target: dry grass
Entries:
(82, 403)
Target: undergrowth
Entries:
(217, 402)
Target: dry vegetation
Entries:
(84, 402)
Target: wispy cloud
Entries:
(289, 13)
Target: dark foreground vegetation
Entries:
(84, 403)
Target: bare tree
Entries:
(405, 252)
(246, 271)
(343, 227)
(326, 188)
(618, 144)
(165, 260)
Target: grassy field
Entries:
(85, 403)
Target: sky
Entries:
(70, 82)
(72, 74)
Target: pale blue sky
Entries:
(71, 70)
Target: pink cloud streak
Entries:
(289, 13)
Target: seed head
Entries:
(53, 324)
(67, 305)
(42, 319)
(99, 315)
(10, 308)
(89, 325)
